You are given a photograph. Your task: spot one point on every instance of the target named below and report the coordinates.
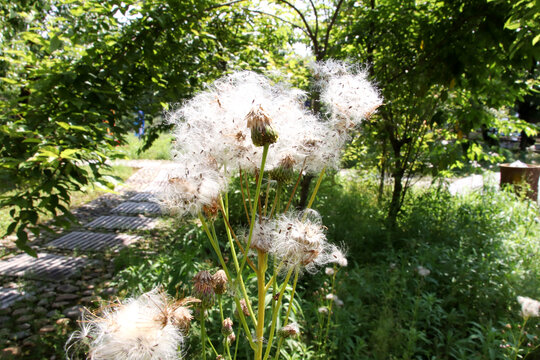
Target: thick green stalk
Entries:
(261, 291)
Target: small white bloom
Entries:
(422, 271)
(529, 307)
(338, 302)
(330, 297)
(329, 271)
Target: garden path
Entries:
(66, 264)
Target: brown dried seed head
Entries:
(220, 282)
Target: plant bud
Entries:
(290, 330)
(260, 124)
(227, 327)
(182, 318)
(284, 172)
(220, 282)
(244, 307)
(203, 288)
(231, 338)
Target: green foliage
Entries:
(74, 74)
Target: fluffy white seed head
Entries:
(142, 328)
(346, 92)
(299, 241)
(529, 307)
(213, 125)
(192, 188)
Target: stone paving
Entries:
(72, 256)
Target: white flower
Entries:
(329, 271)
(529, 307)
(299, 240)
(330, 296)
(422, 271)
(144, 328)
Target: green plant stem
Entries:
(212, 346)
(329, 307)
(295, 187)
(266, 198)
(237, 341)
(222, 262)
(203, 334)
(275, 312)
(275, 205)
(239, 275)
(261, 287)
(286, 321)
(243, 196)
(254, 210)
(316, 189)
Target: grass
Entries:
(160, 149)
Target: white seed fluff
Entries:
(529, 307)
(138, 329)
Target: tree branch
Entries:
(308, 29)
(330, 26)
(279, 18)
(217, 6)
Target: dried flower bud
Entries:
(284, 172)
(244, 307)
(231, 338)
(182, 318)
(211, 210)
(220, 282)
(203, 288)
(260, 124)
(291, 330)
(219, 357)
(227, 327)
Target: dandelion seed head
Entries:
(192, 188)
(137, 329)
(346, 92)
(529, 307)
(298, 240)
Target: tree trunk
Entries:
(304, 191)
(395, 204)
